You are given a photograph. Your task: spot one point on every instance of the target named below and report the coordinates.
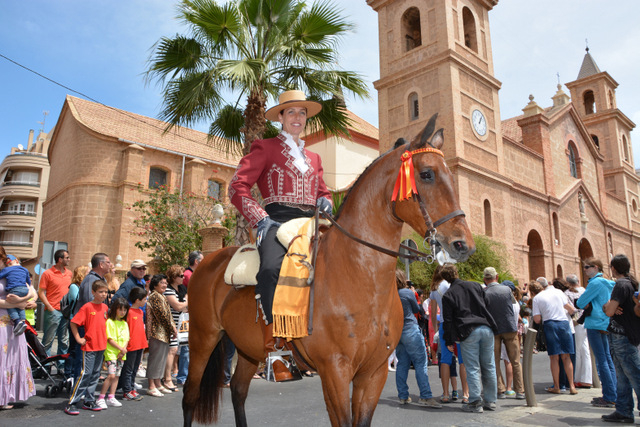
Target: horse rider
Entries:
(290, 181)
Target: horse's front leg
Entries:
(367, 387)
(336, 377)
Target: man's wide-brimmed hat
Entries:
(293, 98)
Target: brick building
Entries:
(556, 184)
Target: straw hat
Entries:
(293, 98)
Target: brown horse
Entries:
(351, 340)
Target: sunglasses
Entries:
(140, 268)
(182, 275)
(586, 267)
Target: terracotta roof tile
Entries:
(362, 126)
(511, 130)
(136, 128)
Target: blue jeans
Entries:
(183, 364)
(86, 385)
(627, 363)
(17, 314)
(477, 350)
(73, 364)
(56, 325)
(127, 381)
(604, 363)
(412, 348)
(229, 351)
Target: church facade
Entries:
(556, 184)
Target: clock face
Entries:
(479, 122)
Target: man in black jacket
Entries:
(467, 320)
(135, 277)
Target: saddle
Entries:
(245, 263)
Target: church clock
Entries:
(479, 123)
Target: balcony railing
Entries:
(27, 153)
(12, 243)
(17, 213)
(29, 183)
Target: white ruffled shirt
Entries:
(297, 151)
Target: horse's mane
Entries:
(399, 142)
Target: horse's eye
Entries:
(427, 175)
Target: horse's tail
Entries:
(205, 409)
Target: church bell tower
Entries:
(435, 57)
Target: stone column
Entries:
(212, 238)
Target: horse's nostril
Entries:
(460, 246)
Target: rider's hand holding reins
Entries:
(324, 205)
(263, 226)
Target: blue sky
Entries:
(100, 48)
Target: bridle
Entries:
(405, 188)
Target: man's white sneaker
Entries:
(137, 386)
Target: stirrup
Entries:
(286, 357)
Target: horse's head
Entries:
(435, 187)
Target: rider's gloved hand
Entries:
(324, 205)
(263, 226)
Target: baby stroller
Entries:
(40, 361)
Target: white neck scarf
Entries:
(297, 152)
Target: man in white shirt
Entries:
(549, 308)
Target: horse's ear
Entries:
(400, 142)
(423, 139)
(438, 139)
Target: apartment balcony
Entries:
(29, 160)
(11, 219)
(19, 249)
(20, 188)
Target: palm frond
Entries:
(190, 99)
(332, 120)
(245, 72)
(173, 56)
(227, 127)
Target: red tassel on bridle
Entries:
(405, 186)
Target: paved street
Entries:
(301, 403)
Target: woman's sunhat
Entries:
(293, 98)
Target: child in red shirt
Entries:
(137, 343)
(93, 316)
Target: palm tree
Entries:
(253, 50)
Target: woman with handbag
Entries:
(597, 294)
(175, 276)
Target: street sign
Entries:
(403, 251)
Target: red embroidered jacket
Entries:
(270, 165)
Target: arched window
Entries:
(414, 106)
(596, 141)
(556, 229)
(214, 189)
(469, 25)
(612, 103)
(589, 102)
(625, 148)
(573, 157)
(559, 272)
(411, 28)
(157, 177)
(488, 226)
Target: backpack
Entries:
(68, 303)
